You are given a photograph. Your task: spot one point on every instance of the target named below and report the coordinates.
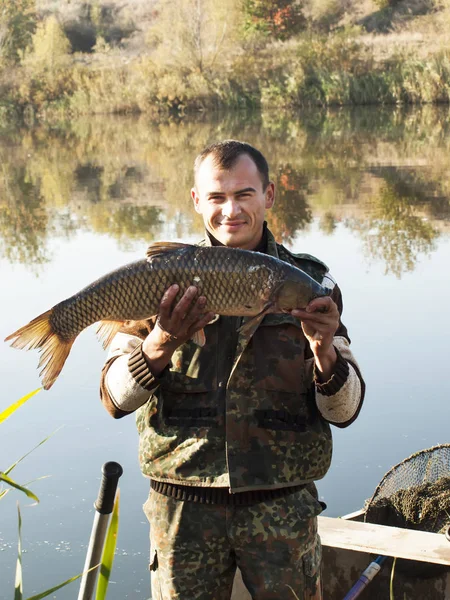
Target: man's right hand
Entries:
(174, 326)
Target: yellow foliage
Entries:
(197, 35)
(50, 46)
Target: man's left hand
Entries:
(320, 320)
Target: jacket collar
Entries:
(267, 245)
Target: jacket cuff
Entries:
(337, 380)
(140, 371)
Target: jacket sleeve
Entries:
(340, 399)
(126, 382)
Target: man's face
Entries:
(232, 203)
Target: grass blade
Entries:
(4, 492)
(13, 466)
(391, 583)
(13, 484)
(18, 585)
(11, 409)
(108, 552)
(58, 587)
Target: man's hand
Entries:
(174, 326)
(320, 320)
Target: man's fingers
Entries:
(316, 318)
(197, 309)
(187, 316)
(324, 305)
(201, 323)
(184, 305)
(320, 319)
(319, 311)
(165, 307)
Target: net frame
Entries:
(425, 466)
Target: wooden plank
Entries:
(387, 541)
(357, 515)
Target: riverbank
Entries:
(358, 56)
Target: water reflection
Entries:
(393, 232)
(383, 174)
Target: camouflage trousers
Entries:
(195, 549)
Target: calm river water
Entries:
(366, 191)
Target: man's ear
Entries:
(270, 195)
(195, 199)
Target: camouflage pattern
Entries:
(239, 412)
(195, 549)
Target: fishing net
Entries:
(415, 494)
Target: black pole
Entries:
(103, 506)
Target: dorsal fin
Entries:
(157, 248)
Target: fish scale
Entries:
(235, 282)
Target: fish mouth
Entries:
(328, 282)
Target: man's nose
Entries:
(231, 208)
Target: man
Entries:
(234, 434)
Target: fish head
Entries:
(299, 291)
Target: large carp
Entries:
(234, 282)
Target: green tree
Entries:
(17, 25)
(279, 19)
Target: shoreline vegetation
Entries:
(66, 59)
(381, 174)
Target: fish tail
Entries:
(54, 351)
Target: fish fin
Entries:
(158, 248)
(256, 320)
(107, 330)
(54, 351)
(199, 338)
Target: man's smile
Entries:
(235, 224)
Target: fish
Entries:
(235, 282)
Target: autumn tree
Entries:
(50, 46)
(17, 25)
(194, 34)
(278, 19)
(291, 212)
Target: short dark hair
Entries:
(226, 153)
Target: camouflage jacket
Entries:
(244, 411)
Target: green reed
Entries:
(111, 536)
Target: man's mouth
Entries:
(232, 224)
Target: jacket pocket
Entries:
(279, 357)
(194, 369)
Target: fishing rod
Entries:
(366, 577)
(103, 508)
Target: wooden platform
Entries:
(349, 547)
(388, 541)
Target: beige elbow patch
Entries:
(343, 405)
(123, 390)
